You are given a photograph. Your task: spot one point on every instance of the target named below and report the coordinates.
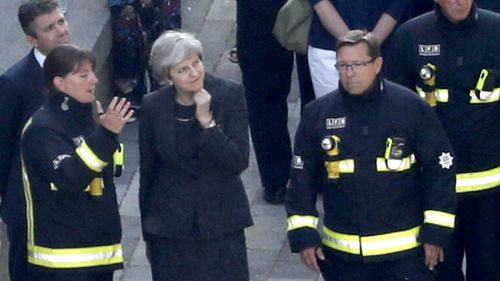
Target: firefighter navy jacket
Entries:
(173, 196)
(470, 118)
(375, 208)
(63, 150)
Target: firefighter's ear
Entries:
(59, 83)
(378, 62)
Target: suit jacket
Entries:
(212, 198)
(21, 94)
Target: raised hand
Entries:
(203, 99)
(116, 116)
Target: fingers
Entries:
(100, 111)
(202, 97)
(117, 114)
(118, 107)
(128, 115)
(308, 257)
(320, 254)
(441, 255)
(112, 104)
(433, 255)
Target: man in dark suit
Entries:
(21, 93)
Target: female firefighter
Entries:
(74, 227)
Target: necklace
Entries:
(184, 119)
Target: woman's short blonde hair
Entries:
(170, 49)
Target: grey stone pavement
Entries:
(214, 23)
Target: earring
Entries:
(64, 104)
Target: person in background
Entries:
(128, 55)
(158, 16)
(333, 19)
(74, 229)
(388, 173)
(419, 7)
(193, 142)
(266, 69)
(451, 58)
(21, 94)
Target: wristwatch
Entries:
(211, 124)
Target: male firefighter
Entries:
(388, 175)
(451, 57)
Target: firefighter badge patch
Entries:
(446, 160)
(56, 162)
(335, 123)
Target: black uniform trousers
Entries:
(266, 71)
(477, 227)
(409, 268)
(103, 276)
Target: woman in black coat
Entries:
(193, 141)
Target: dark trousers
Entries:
(409, 268)
(104, 276)
(266, 71)
(18, 254)
(195, 259)
(477, 232)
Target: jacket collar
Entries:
(370, 95)
(445, 24)
(66, 103)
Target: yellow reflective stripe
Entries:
(27, 190)
(89, 158)
(75, 257)
(477, 181)
(390, 243)
(296, 221)
(439, 218)
(118, 155)
(441, 95)
(334, 168)
(29, 201)
(372, 245)
(342, 242)
(405, 164)
(485, 96)
(343, 166)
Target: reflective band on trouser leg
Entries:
(484, 96)
(372, 245)
(295, 222)
(89, 158)
(405, 164)
(477, 181)
(335, 168)
(75, 257)
(439, 218)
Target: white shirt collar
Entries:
(40, 58)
